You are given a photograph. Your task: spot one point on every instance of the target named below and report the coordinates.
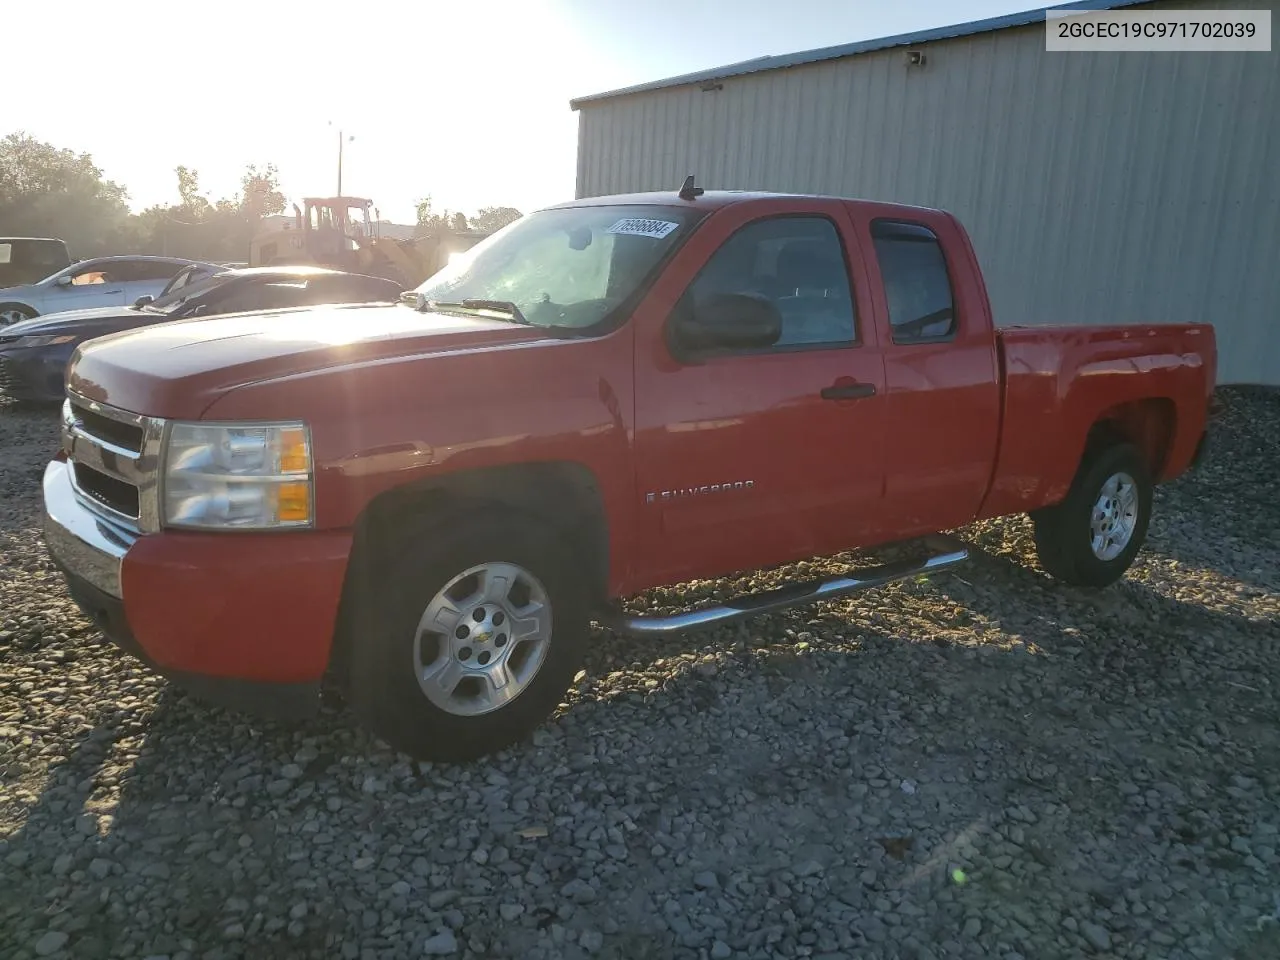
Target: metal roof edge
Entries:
(762, 64)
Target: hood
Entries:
(19, 291)
(72, 320)
(178, 369)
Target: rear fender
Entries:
(1056, 411)
(1149, 424)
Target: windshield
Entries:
(168, 303)
(65, 272)
(565, 267)
(180, 279)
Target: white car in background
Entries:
(100, 282)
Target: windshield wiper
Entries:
(505, 307)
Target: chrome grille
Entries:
(116, 495)
(114, 455)
(126, 435)
(7, 379)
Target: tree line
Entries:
(47, 191)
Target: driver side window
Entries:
(90, 276)
(798, 263)
(916, 283)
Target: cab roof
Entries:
(282, 270)
(715, 199)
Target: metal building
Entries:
(1098, 187)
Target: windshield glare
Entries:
(566, 267)
(64, 272)
(168, 303)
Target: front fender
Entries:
(383, 425)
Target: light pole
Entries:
(341, 140)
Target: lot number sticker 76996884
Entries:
(643, 228)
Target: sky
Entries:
(463, 102)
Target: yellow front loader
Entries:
(338, 232)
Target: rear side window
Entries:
(322, 290)
(27, 260)
(50, 253)
(261, 296)
(138, 270)
(916, 282)
(348, 290)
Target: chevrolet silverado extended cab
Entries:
(430, 501)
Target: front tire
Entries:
(1092, 537)
(466, 635)
(11, 313)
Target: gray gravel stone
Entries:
(100, 868)
(706, 880)
(439, 899)
(442, 944)
(51, 943)
(579, 891)
(1097, 936)
(932, 770)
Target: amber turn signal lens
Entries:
(293, 502)
(294, 456)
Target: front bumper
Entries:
(242, 620)
(33, 374)
(80, 542)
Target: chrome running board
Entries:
(788, 596)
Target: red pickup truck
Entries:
(431, 500)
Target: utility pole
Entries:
(341, 140)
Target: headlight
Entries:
(243, 477)
(42, 341)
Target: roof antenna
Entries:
(689, 191)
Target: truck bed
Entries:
(1059, 382)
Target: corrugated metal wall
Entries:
(1097, 187)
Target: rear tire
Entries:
(442, 671)
(1092, 537)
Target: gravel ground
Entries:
(981, 765)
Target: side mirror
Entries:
(731, 321)
(143, 300)
(63, 281)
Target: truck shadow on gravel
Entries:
(135, 840)
(1225, 514)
